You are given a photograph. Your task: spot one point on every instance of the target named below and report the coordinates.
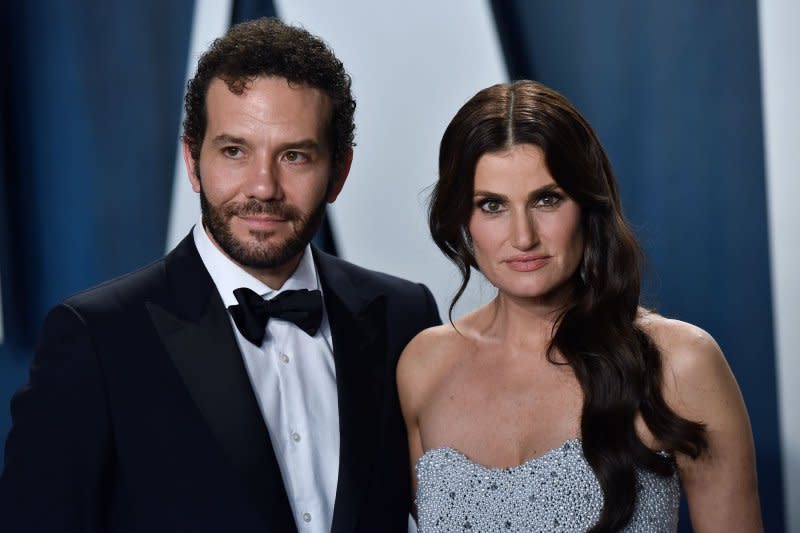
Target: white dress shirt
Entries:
(294, 380)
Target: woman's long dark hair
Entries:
(617, 364)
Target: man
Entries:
(162, 401)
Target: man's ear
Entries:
(340, 173)
(191, 169)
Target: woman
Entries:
(561, 405)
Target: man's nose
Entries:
(263, 181)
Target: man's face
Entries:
(264, 173)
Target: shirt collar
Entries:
(228, 276)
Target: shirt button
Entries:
(306, 517)
(284, 358)
(296, 438)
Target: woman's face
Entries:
(525, 230)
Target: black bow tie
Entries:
(303, 307)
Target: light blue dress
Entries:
(556, 492)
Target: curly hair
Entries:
(616, 363)
(268, 47)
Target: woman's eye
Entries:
(549, 200)
(490, 206)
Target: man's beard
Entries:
(260, 254)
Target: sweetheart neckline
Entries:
(527, 462)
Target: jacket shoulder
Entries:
(180, 270)
(141, 284)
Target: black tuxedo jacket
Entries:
(139, 414)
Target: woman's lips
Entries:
(527, 263)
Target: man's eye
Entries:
(490, 206)
(232, 151)
(296, 157)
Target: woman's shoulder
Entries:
(676, 338)
(438, 345)
(693, 363)
(432, 354)
(425, 361)
(678, 341)
(428, 349)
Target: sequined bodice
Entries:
(556, 492)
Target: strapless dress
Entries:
(555, 492)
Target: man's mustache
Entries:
(257, 207)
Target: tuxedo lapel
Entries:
(197, 334)
(357, 317)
